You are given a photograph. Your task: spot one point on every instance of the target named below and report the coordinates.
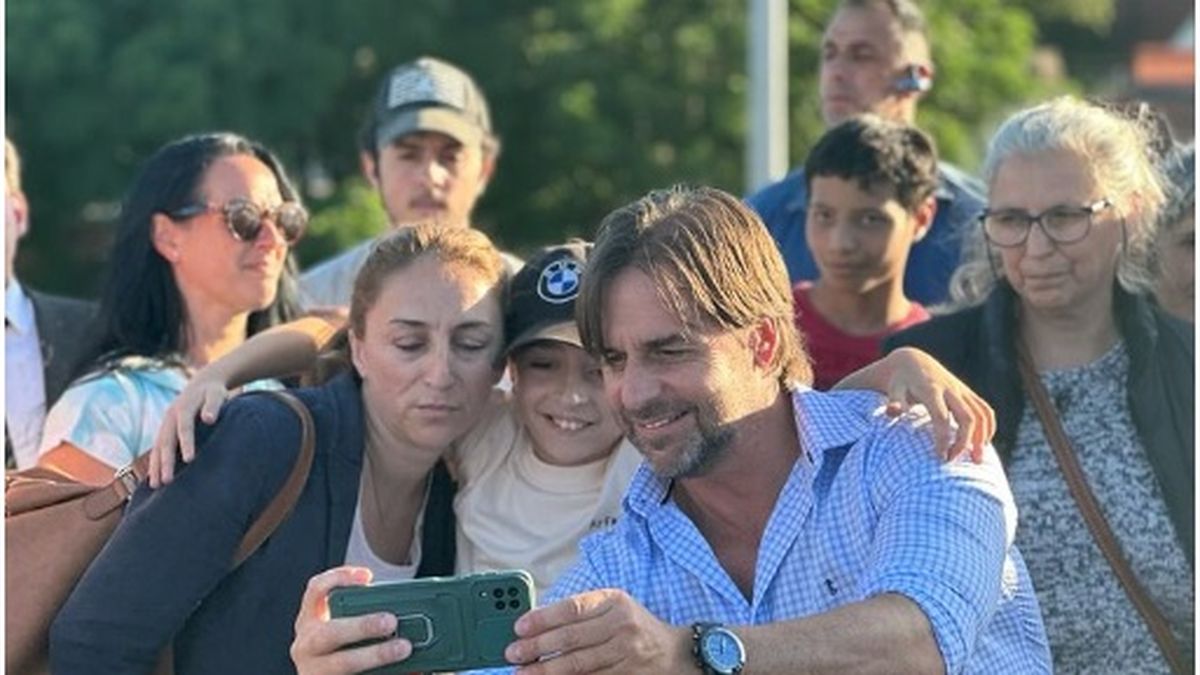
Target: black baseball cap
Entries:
(541, 299)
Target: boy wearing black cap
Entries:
(551, 466)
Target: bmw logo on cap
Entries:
(559, 281)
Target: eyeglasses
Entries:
(1061, 224)
(245, 219)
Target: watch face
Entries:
(722, 651)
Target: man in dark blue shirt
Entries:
(875, 58)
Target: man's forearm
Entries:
(885, 634)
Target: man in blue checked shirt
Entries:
(771, 528)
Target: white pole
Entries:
(767, 113)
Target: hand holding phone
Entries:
(453, 623)
(320, 646)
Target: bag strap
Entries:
(117, 493)
(279, 507)
(113, 496)
(1089, 508)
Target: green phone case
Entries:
(454, 623)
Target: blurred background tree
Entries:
(596, 102)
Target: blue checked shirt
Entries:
(867, 509)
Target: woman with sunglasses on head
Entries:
(1060, 332)
(200, 262)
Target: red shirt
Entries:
(835, 354)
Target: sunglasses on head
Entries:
(245, 219)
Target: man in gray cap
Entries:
(428, 149)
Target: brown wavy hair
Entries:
(712, 260)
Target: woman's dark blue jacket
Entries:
(165, 572)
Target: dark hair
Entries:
(141, 308)
(874, 152)
(712, 261)
(365, 139)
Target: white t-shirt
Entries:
(517, 512)
(331, 283)
(114, 415)
(360, 554)
(24, 377)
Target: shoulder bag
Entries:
(54, 526)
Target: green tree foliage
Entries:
(595, 101)
(981, 53)
(350, 216)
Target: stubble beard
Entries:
(702, 449)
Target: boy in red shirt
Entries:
(871, 189)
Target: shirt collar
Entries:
(18, 309)
(831, 419)
(825, 421)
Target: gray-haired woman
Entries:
(1062, 268)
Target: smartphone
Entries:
(453, 623)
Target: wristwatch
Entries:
(717, 650)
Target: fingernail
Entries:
(513, 653)
(399, 650)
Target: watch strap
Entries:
(698, 630)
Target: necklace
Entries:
(369, 478)
(385, 529)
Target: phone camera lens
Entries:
(499, 604)
(498, 593)
(512, 592)
(514, 604)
